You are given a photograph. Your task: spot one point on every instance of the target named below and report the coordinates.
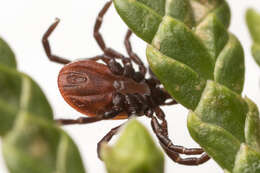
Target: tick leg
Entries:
(106, 139)
(114, 66)
(103, 58)
(81, 120)
(47, 47)
(191, 161)
(153, 76)
(153, 81)
(166, 142)
(85, 120)
(98, 36)
(161, 116)
(169, 97)
(128, 69)
(161, 130)
(174, 151)
(117, 69)
(133, 55)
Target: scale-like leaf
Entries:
(176, 41)
(253, 22)
(216, 141)
(230, 69)
(139, 15)
(252, 126)
(247, 161)
(256, 52)
(222, 107)
(183, 83)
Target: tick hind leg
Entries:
(85, 120)
(47, 47)
(174, 151)
(81, 120)
(118, 100)
(107, 138)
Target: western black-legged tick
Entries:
(109, 91)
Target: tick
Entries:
(103, 89)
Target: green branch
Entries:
(201, 64)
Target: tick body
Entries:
(90, 87)
(103, 88)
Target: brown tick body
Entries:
(101, 88)
(90, 87)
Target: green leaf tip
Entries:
(134, 152)
(252, 126)
(20, 94)
(253, 23)
(7, 57)
(247, 160)
(256, 52)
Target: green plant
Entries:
(201, 65)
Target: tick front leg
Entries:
(47, 47)
(133, 55)
(97, 35)
(117, 69)
(114, 66)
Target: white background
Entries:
(22, 24)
